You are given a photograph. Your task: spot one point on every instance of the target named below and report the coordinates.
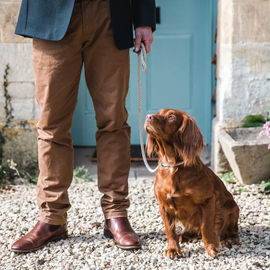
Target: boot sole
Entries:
(54, 238)
(109, 235)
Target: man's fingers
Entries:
(147, 44)
(143, 34)
(138, 41)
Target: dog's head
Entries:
(176, 128)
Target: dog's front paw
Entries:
(173, 253)
(212, 250)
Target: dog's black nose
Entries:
(149, 117)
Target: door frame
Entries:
(213, 22)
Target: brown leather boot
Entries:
(120, 230)
(39, 236)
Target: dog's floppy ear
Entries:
(151, 145)
(188, 141)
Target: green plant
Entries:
(2, 172)
(30, 173)
(257, 120)
(8, 107)
(264, 186)
(243, 190)
(253, 121)
(10, 173)
(12, 165)
(228, 178)
(7, 175)
(81, 173)
(8, 118)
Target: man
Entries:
(66, 34)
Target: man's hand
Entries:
(143, 34)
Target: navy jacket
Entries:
(49, 19)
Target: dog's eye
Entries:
(170, 117)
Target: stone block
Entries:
(248, 156)
(254, 22)
(9, 11)
(23, 109)
(257, 57)
(22, 100)
(19, 58)
(22, 90)
(243, 84)
(228, 25)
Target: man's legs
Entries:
(107, 78)
(57, 70)
(57, 67)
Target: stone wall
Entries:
(16, 51)
(243, 67)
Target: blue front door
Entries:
(179, 71)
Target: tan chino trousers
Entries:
(57, 69)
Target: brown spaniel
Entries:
(186, 189)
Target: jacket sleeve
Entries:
(144, 13)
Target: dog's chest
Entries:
(170, 199)
(178, 205)
(173, 200)
(169, 203)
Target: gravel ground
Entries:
(87, 248)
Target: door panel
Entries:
(179, 72)
(174, 73)
(84, 124)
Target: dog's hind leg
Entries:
(210, 239)
(229, 233)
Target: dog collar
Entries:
(168, 165)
